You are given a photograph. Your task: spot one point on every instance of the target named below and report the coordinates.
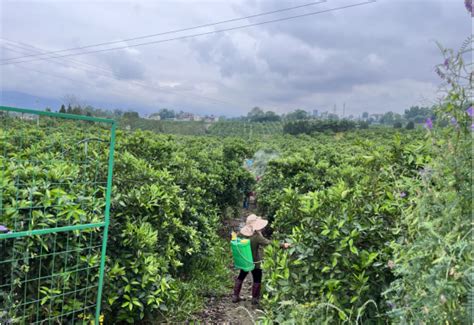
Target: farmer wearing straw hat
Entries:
(252, 230)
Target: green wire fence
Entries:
(55, 190)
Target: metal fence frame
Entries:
(105, 224)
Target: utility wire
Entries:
(172, 31)
(141, 84)
(205, 33)
(34, 70)
(29, 48)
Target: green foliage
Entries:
(258, 115)
(165, 126)
(433, 254)
(363, 125)
(167, 195)
(336, 203)
(418, 114)
(397, 125)
(390, 118)
(131, 115)
(410, 125)
(246, 130)
(296, 115)
(312, 126)
(166, 113)
(379, 224)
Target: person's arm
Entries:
(262, 240)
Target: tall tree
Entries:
(77, 110)
(390, 118)
(418, 114)
(131, 115)
(256, 114)
(166, 113)
(271, 116)
(298, 114)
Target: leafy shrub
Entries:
(379, 233)
(339, 234)
(433, 255)
(167, 195)
(397, 125)
(410, 125)
(311, 126)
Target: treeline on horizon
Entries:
(415, 114)
(296, 122)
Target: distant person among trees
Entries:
(247, 200)
(252, 200)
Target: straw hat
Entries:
(252, 224)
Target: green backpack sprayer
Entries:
(242, 253)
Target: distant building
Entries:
(185, 116)
(375, 117)
(29, 117)
(315, 113)
(154, 116)
(211, 118)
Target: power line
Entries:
(205, 33)
(141, 84)
(29, 48)
(8, 47)
(37, 71)
(172, 31)
(82, 82)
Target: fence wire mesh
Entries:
(55, 186)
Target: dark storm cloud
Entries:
(301, 69)
(402, 32)
(125, 66)
(386, 43)
(222, 51)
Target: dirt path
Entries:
(221, 310)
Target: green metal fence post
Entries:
(107, 221)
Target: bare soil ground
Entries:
(221, 310)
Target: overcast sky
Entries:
(375, 57)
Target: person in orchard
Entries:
(252, 231)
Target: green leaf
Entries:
(326, 269)
(325, 232)
(354, 250)
(342, 315)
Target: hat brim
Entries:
(247, 230)
(259, 224)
